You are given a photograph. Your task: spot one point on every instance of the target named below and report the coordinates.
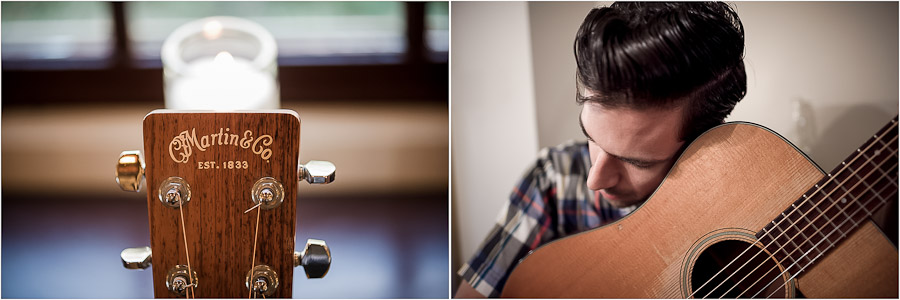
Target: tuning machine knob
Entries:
(130, 170)
(317, 172)
(315, 259)
(262, 279)
(180, 279)
(136, 258)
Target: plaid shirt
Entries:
(550, 202)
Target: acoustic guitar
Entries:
(222, 200)
(742, 214)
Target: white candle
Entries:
(222, 83)
(220, 63)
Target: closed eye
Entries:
(640, 164)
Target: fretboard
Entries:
(831, 209)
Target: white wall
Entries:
(554, 68)
(492, 114)
(834, 64)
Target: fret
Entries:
(892, 187)
(777, 248)
(827, 219)
(881, 145)
(794, 233)
(806, 238)
(820, 227)
(886, 161)
(811, 261)
(843, 211)
(848, 194)
(891, 180)
(863, 207)
(771, 244)
(867, 186)
(889, 184)
(872, 173)
(835, 199)
(837, 229)
(879, 181)
(816, 231)
(839, 207)
(790, 241)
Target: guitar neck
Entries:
(841, 201)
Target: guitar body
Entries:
(726, 186)
(219, 234)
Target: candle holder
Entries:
(220, 63)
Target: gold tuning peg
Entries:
(130, 170)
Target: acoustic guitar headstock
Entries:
(222, 199)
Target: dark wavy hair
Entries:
(643, 55)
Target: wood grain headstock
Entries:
(222, 198)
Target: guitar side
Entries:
(729, 183)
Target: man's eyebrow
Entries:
(630, 160)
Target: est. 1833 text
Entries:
(231, 164)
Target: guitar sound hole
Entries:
(735, 281)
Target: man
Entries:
(650, 77)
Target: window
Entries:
(437, 33)
(56, 34)
(109, 51)
(307, 33)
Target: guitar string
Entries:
(812, 222)
(804, 228)
(820, 253)
(776, 224)
(837, 228)
(893, 124)
(833, 231)
(189, 293)
(253, 258)
(787, 216)
(255, 234)
(854, 172)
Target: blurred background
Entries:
(822, 74)
(368, 79)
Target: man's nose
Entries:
(604, 173)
